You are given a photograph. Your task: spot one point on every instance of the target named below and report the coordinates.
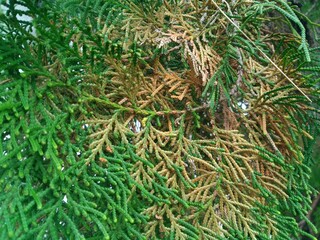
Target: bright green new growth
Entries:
(154, 120)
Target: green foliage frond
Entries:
(155, 120)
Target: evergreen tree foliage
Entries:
(155, 119)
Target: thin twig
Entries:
(4, 81)
(260, 50)
(313, 208)
(144, 112)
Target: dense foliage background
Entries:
(158, 120)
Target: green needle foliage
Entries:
(150, 119)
